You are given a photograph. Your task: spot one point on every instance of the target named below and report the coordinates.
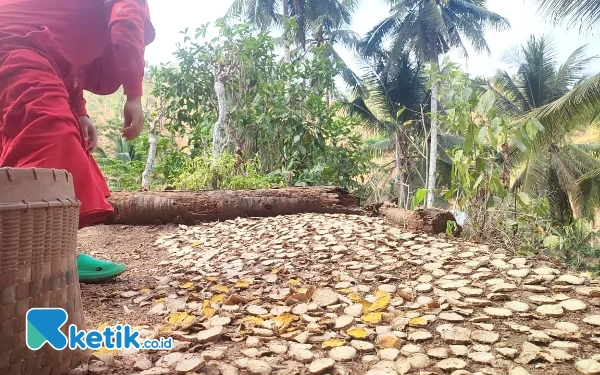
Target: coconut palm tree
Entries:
(585, 13)
(311, 16)
(390, 102)
(430, 28)
(583, 102)
(553, 164)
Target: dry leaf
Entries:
(275, 271)
(346, 291)
(220, 288)
(234, 300)
(212, 278)
(207, 310)
(418, 322)
(217, 298)
(594, 293)
(157, 301)
(309, 293)
(145, 291)
(242, 284)
(102, 326)
(294, 282)
(187, 285)
(381, 294)
(366, 304)
(181, 320)
(250, 322)
(196, 243)
(389, 341)
(355, 297)
(103, 351)
(371, 318)
(357, 333)
(283, 321)
(386, 317)
(332, 343)
(295, 299)
(405, 296)
(327, 321)
(380, 304)
(164, 330)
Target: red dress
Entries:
(50, 51)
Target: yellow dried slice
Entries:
(380, 304)
(357, 333)
(372, 318)
(220, 288)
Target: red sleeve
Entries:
(127, 20)
(77, 101)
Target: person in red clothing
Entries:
(50, 51)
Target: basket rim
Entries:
(25, 205)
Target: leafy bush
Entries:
(202, 173)
(280, 116)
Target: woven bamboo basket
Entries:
(38, 232)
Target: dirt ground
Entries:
(338, 295)
(132, 246)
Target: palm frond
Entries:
(566, 172)
(375, 37)
(585, 13)
(534, 177)
(382, 146)
(572, 71)
(589, 192)
(573, 110)
(476, 10)
(511, 94)
(360, 108)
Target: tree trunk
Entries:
(287, 53)
(190, 207)
(401, 169)
(218, 130)
(433, 144)
(427, 220)
(152, 140)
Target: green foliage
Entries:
(480, 177)
(123, 168)
(278, 114)
(476, 170)
(575, 244)
(418, 198)
(451, 227)
(202, 173)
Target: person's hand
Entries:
(134, 118)
(89, 133)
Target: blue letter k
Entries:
(43, 325)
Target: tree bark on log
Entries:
(428, 220)
(191, 207)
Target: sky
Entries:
(172, 16)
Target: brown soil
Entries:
(132, 246)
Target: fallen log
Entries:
(421, 220)
(191, 207)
